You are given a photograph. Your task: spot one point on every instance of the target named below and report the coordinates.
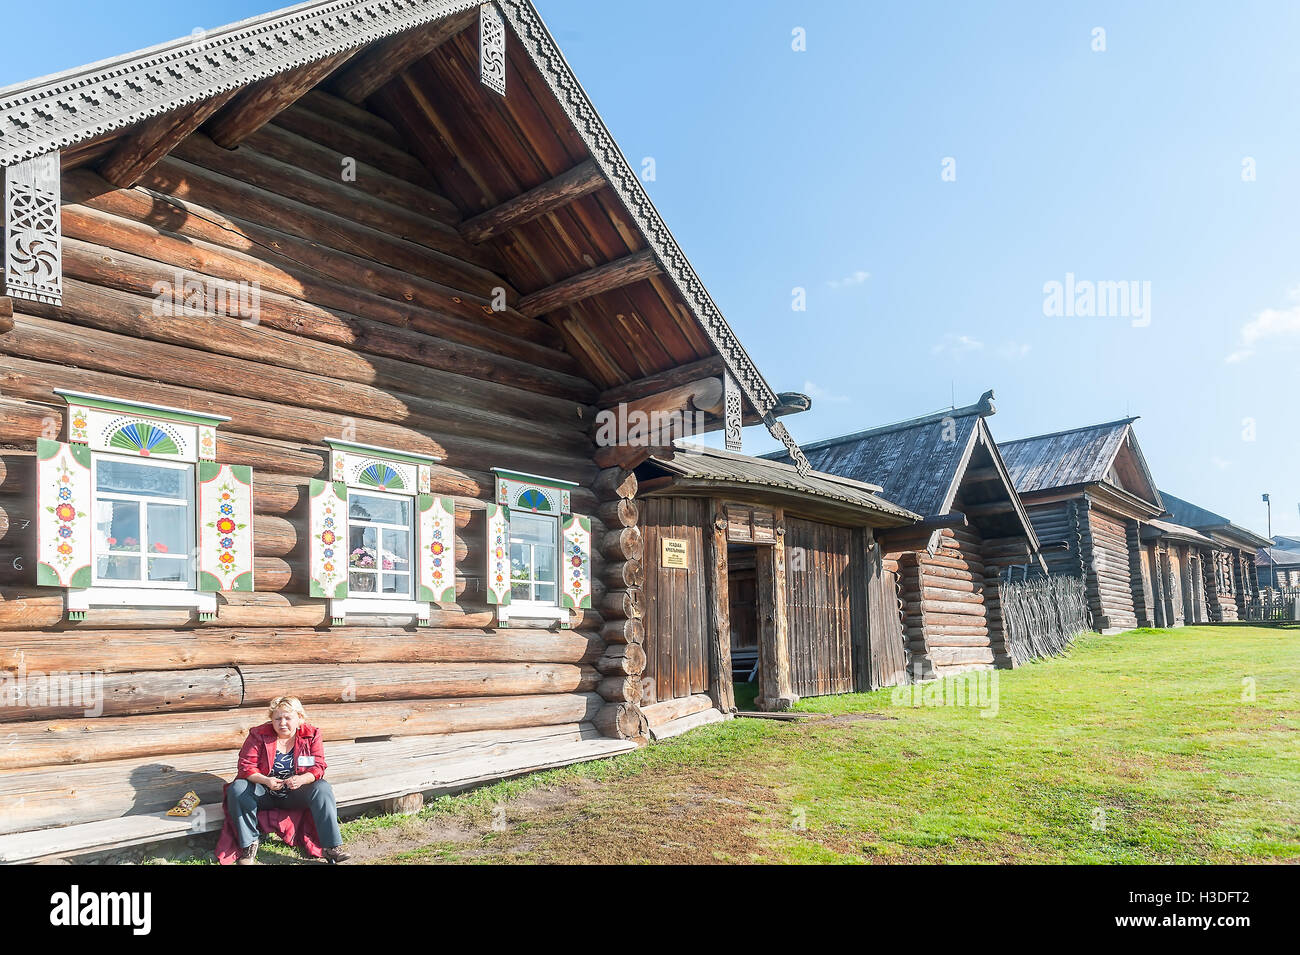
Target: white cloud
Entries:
(1014, 351)
(1273, 325)
(1220, 463)
(854, 278)
(956, 345)
(817, 393)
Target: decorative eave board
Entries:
(367, 466)
(132, 427)
(530, 492)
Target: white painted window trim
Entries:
(83, 598)
(383, 606)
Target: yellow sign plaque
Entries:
(674, 552)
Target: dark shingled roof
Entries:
(1064, 458)
(725, 467)
(1277, 557)
(1184, 512)
(1157, 528)
(915, 462)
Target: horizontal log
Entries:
(79, 694)
(621, 575)
(256, 104)
(621, 721)
(620, 689)
(627, 659)
(156, 649)
(614, 483)
(954, 655)
(618, 604)
(369, 682)
(75, 741)
(630, 630)
(624, 543)
(619, 513)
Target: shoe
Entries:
(247, 855)
(336, 854)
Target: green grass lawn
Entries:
(1145, 746)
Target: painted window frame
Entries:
(411, 571)
(143, 582)
(532, 606)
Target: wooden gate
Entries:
(676, 601)
(819, 582)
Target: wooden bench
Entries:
(364, 776)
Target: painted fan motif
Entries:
(377, 474)
(144, 439)
(535, 500)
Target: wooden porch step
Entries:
(453, 770)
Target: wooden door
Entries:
(676, 599)
(819, 582)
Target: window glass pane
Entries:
(531, 529)
(545, 593)
(146, 480)
(519, 556)
(168, 529)
(397, 554)
(165, 568)
(544, 563)
(117, 526)
(118, 568)
(520, 592)
(383, 510)
(361, 583)
(397, 584)
(363, 553)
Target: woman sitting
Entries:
(281, 766)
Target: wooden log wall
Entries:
(1141, 582)
(1057, 526)
(943, 602)
(374, 324)
(1110, 580)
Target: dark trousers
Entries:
(244, 799)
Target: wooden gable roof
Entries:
(1190, 515)
(934, 465)
(533, 178)
(1105, 454)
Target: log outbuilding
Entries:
(1088, 491)
(309, 328)
(747, 557)
(974, 531)
(1228, 569)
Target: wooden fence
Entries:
(1043, 615)
(1273, 604)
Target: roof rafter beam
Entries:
(604, 278)
(380, 63)
(256, 106)
(581, 180)
(146, 147)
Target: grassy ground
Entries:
(1146, 746)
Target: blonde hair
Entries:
(287, 702)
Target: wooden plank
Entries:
(687, 723)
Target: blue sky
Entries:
(821, 169)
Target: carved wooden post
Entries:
(774, 692)
(721, 687)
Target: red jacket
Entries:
(257, 755)
(295, 826)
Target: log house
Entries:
(307, 327)
(744, 553)
(1230, 560)
(974, 531)
(1088, 492)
